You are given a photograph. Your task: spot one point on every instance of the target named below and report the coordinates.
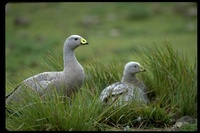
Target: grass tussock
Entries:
(171, 78)
(53, 113)
(172, 87)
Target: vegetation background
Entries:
(35, 33)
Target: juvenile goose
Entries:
(67, 81)
(129, 89)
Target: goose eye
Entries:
(75, 39)
(135, 66)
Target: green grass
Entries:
(189, 127)
(117, 33)
(50, 23)
(172, 91)
(180, 78)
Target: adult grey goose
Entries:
(129, 89)
(67, 81)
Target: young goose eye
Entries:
(75, 39)
(135, 66)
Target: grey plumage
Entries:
(67, 81)
(129, 89)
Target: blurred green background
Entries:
(113, 29)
